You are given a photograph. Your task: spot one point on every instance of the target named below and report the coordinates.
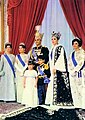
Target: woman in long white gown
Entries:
(30, 97)
(20, 65)
(58, 92)
(76, 70)
(7, 73)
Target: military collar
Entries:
(39, 47)
(42, 65)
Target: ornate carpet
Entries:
(40, 113)
(15, 111)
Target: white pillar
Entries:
(5, 22)
(0, 25)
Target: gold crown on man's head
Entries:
(38, 35)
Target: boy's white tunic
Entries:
(19, 75)
(77, 83)
(7, 82)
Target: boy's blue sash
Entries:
(34, 55)
(75, 64)
(20, 59)
(46, 80)
(10, 63)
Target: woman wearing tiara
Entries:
(76, 68)
(58, 92)
(7, 74)
(21, 65)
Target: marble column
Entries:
(0, 25)
(5, 22)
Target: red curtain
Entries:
(23, 16)
(74, 11)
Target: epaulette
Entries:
(46, 66)
(40, 76)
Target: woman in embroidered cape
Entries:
(58, 92)
(76, 68)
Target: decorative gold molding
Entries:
(2, 25)
(0, 2)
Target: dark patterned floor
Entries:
(40, 113)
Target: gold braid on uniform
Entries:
(46, 66)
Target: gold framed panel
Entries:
(2, 24)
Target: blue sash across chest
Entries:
(10, 63)
(75, 64)
(34, 55)
(20, 59)
(46, 80)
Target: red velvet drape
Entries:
(23, 16)
(74, 11)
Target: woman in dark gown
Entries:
(58, 92)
